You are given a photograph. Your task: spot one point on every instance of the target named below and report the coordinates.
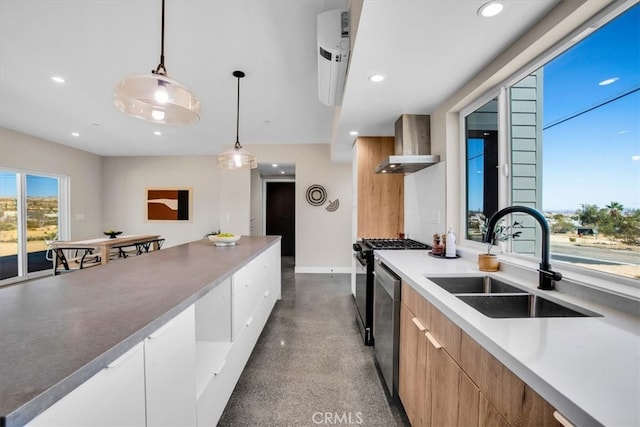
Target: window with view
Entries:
(29, 217)
(574, 152)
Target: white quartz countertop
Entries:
(588, 368)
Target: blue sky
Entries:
(37, 186)
(591, 151)
(589, 159)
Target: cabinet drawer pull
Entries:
(249, 321)
(562, 420)
(217, 371)
(432, 340)
(418, 323)
(161, 330)
(266, 294)
(248, 283)
(124, 357)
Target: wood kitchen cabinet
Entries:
(432, 387)
(380, 197)
(446, 378)
(512, 398)
(412, 387)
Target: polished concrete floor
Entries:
(310, 366)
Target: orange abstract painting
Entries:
(168, 204)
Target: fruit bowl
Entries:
(223, 240)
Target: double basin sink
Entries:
(497, 299)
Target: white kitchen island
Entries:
(157, 340)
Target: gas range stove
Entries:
(378, 244)
(363, 253)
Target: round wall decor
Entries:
(316, 195)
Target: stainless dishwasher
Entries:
(386, 323)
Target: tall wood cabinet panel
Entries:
(380, 204)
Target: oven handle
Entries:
(361, 261)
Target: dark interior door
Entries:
(281, 214)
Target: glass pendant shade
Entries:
(236, 158)
(157, 98)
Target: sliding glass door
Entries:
(30, 216)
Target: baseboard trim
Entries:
(323, 270)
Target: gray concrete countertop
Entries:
(57, 332)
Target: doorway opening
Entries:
(275, 183)
(280, 218)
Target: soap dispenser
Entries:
(451, 243)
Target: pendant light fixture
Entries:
(237, 157)
(156, 97)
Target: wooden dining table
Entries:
(105, 244)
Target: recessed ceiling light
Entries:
(282, 172)
(275, 165)
(75, 134)
(490, 9)
(157, 132)
(376, 78)
(353, 133)
(57, 79)
(608, 81)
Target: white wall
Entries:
(323, 239)
(125, 180)
(20, 151)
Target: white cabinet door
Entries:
(247, 291)
(170, 372)
(112, 397)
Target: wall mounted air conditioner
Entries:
(333, 55)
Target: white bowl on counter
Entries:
(223, 241)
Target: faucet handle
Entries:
(555, 276)
(547, 277)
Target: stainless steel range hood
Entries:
(412, 151)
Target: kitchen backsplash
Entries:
(424, 203)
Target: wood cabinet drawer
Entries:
(513, 399)
(416, 304)
(447, 333)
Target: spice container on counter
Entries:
(438, 248)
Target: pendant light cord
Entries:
(160, 69)
(239, 75)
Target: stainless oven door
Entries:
(361, 288)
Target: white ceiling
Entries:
(427, 50)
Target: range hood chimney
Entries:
(412, 151)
